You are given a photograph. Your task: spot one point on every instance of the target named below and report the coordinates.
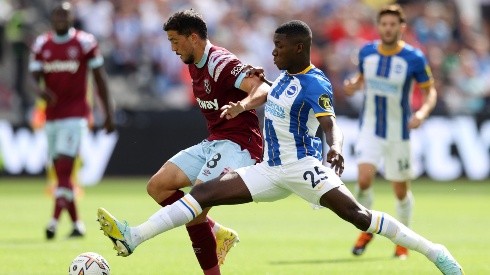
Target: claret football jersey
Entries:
(216, 79)
(291, 116)
(64, 62)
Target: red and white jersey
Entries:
(215, 82)
(64, 62)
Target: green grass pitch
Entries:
(285, 237)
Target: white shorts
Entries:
(65, 136)
(307, 178)
(395, 155)
(209, 159)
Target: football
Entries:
(89, 263)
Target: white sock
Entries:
(53, 223)
(166, 218)
(364, 197)
(404, 208)
(79, 225)
(216, 227)
(385, 225)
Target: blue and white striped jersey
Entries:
(388, 79)
(293, 105)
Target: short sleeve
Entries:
(226, 69)
(421, 70)
(320, 97)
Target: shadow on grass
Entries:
(331, 261)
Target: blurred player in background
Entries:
(299, 101)
(388, 68)
(218, 78)
(60, 62)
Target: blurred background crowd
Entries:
(144, 74)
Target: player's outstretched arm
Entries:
(335, 139)
(257, 92)
(103, 92)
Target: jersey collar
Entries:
(304, 71)
(396, 50)
(60, 39)
(204, 57)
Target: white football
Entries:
(89, 263)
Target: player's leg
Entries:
(236, 187)
(221, 156)
(398, 171)
(228, 189)
(164, 187)
(369, 152)
(342, 202)
(65, 145)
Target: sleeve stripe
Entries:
(426, 84)
(324, 114)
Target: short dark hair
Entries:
(296, 29)
(63, 6)
(187, 22)
(393, 9)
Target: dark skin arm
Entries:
(43, 93)
(335, 139)
(101, 83)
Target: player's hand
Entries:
(232, 109)
(415, 121)
(251, 71)
(350, 87)
(336, 161)
(49, 97)
(109, 125)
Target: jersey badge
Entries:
(292, 90)
(72, 52)
(207, 86)
(324, 102)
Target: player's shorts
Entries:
(209, 159)
(394, 155)
(307, 178)
(65, 136)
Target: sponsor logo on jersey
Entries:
(274, 109)
(324, 102)
(207, 86)
(208, 104)
(58, 66)
(383, 86)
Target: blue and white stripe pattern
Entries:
(293, 105)
(388, 78)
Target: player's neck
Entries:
(201, 50)
(392, 48)
(300, 68)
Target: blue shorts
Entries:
(209, 159)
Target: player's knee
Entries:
(360, 217)
(364, 181)
(155, 187)
(203, 195)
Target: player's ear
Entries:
(299, 47)
(403, 27)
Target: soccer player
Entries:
(59, 62)
(217, 79)
(299, 100)
(388, 68)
